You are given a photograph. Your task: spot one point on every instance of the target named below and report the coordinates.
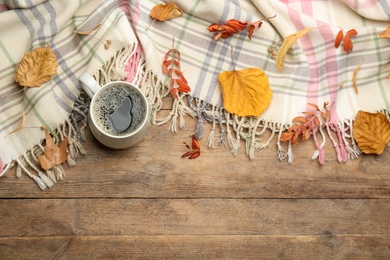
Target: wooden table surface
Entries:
(148, 202)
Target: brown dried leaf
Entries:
(163, 12)
(371, 132)
(53, 155)
(36, 67)
(245, 92)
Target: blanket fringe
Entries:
(251, 130)
(73, 127)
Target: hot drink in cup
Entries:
(118, 113)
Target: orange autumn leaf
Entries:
(53, 154)
(245, 92)
(36, 67)
(371, 132)
(163, 12)
(385, 33)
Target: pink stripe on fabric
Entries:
(135, 13)
(311, 58)
(361, 5)
(3, 8)
(132, 66)
(330, 53)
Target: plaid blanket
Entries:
(57, 104)
(313, 71)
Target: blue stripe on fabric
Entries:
(385, 6)
(25, 21)
(204, 71)
(53, 25)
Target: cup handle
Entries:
(89, 84)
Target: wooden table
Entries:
(148, 202)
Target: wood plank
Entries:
(124, 217)
(155, 169)
(198, 247)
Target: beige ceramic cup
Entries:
(99, 128)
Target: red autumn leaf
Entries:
(250, 31)
(348, 45)
(339, 39)
(195, 152)
(183, 87)
(352, 32)
(195, 143)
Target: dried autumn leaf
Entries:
(245, 92)
(355, 72)
(385, 34)
(163, 12)
(195, 152)
(348, 44)
(21, 123)
(339, 38)
(36, 67)
(88, 32)
(287, 43)
(53, 154)
(371, 132)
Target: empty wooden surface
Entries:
(147, 202)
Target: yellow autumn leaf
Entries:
(36, 67)
(245, 92)
(287, 43)
(371, 132)
(166, 11)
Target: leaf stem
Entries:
(232, 57)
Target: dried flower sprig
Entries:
(308, 125)
(195, 149)
(348, 45)
(233, 26)
(171, 67)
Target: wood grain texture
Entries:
(195, 247)
(156, 217)
(147, 202)
(154, 169)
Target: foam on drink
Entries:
(109, 100)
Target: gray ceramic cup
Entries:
(102, 134)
